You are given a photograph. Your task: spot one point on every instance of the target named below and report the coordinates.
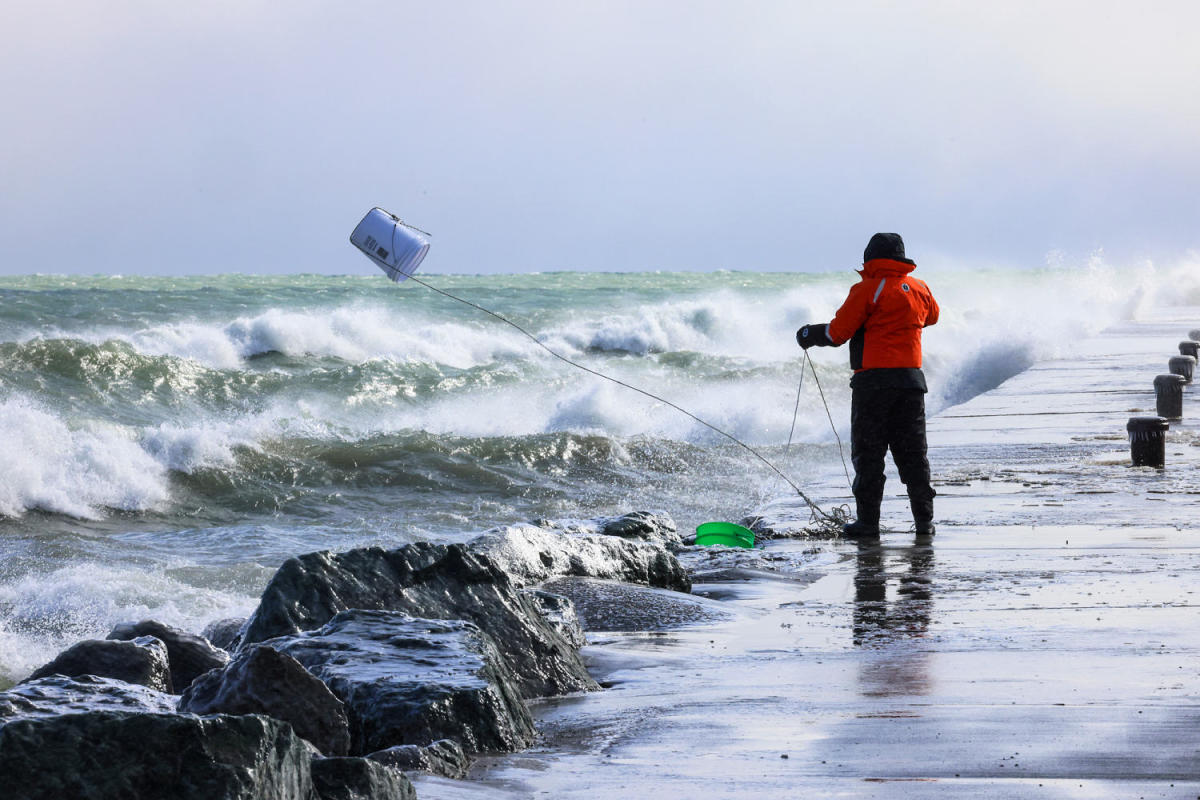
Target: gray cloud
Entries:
(149, 137)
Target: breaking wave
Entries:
(48, 465)
(130, 414)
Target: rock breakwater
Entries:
(355, 668)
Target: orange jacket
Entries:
(883, 316)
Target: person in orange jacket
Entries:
(882, 319)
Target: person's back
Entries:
(882, 318)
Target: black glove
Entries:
(813, 335)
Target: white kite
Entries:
(395, 247)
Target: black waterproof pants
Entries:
(883, 418)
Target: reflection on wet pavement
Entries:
(877, 621)
(893, 627)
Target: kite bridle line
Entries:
(835, 518)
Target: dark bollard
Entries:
(1194, 335)
(1182, 365)
(1190, 348)
(1168, 392)
(1148, 441)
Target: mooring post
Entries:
(1148, 441)
(1182, 365)
(1168, 395)
(1194, 334)
(1190, 348)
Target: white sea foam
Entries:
(189, 448)
(728, 323)
(86, 470)
(351, 333)
(997, 324)
(49, 465)
(44, 613)
(659, 328)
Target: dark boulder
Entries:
(414, 681)
(359, 779)
(189, 655)
(429, 581)
(560, 612)
(264, 681)
(225, 633)
(444, 757)
(57, 694)
(142, 661)
(101, 755)
(650, 526)
(533, 554)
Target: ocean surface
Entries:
(168, 442)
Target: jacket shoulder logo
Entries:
(904, 287)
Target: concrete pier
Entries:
(1045, 644)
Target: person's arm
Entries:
(853, 313)
(849, 318)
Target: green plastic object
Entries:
(725, 533)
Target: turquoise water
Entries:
(169, 441)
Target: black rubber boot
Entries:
(860, 530)
(923, 516)
(867, 524)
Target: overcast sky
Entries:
(169, 138)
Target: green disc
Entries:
(725, 533)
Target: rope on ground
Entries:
(1027, 414)
(819, 516)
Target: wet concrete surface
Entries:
(1043, 645)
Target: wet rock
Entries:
(613, 606)
(651, 526)
(414, 681)
(142, 661)
(55, 695)
(359, 779)
(116, 754)
(264, 681)
(189, 656)
(225, 633)
(430, 581)
(444, 757)
(560, 612)
(534, 554)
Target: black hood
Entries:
(885, 245)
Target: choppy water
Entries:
(168, 441)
